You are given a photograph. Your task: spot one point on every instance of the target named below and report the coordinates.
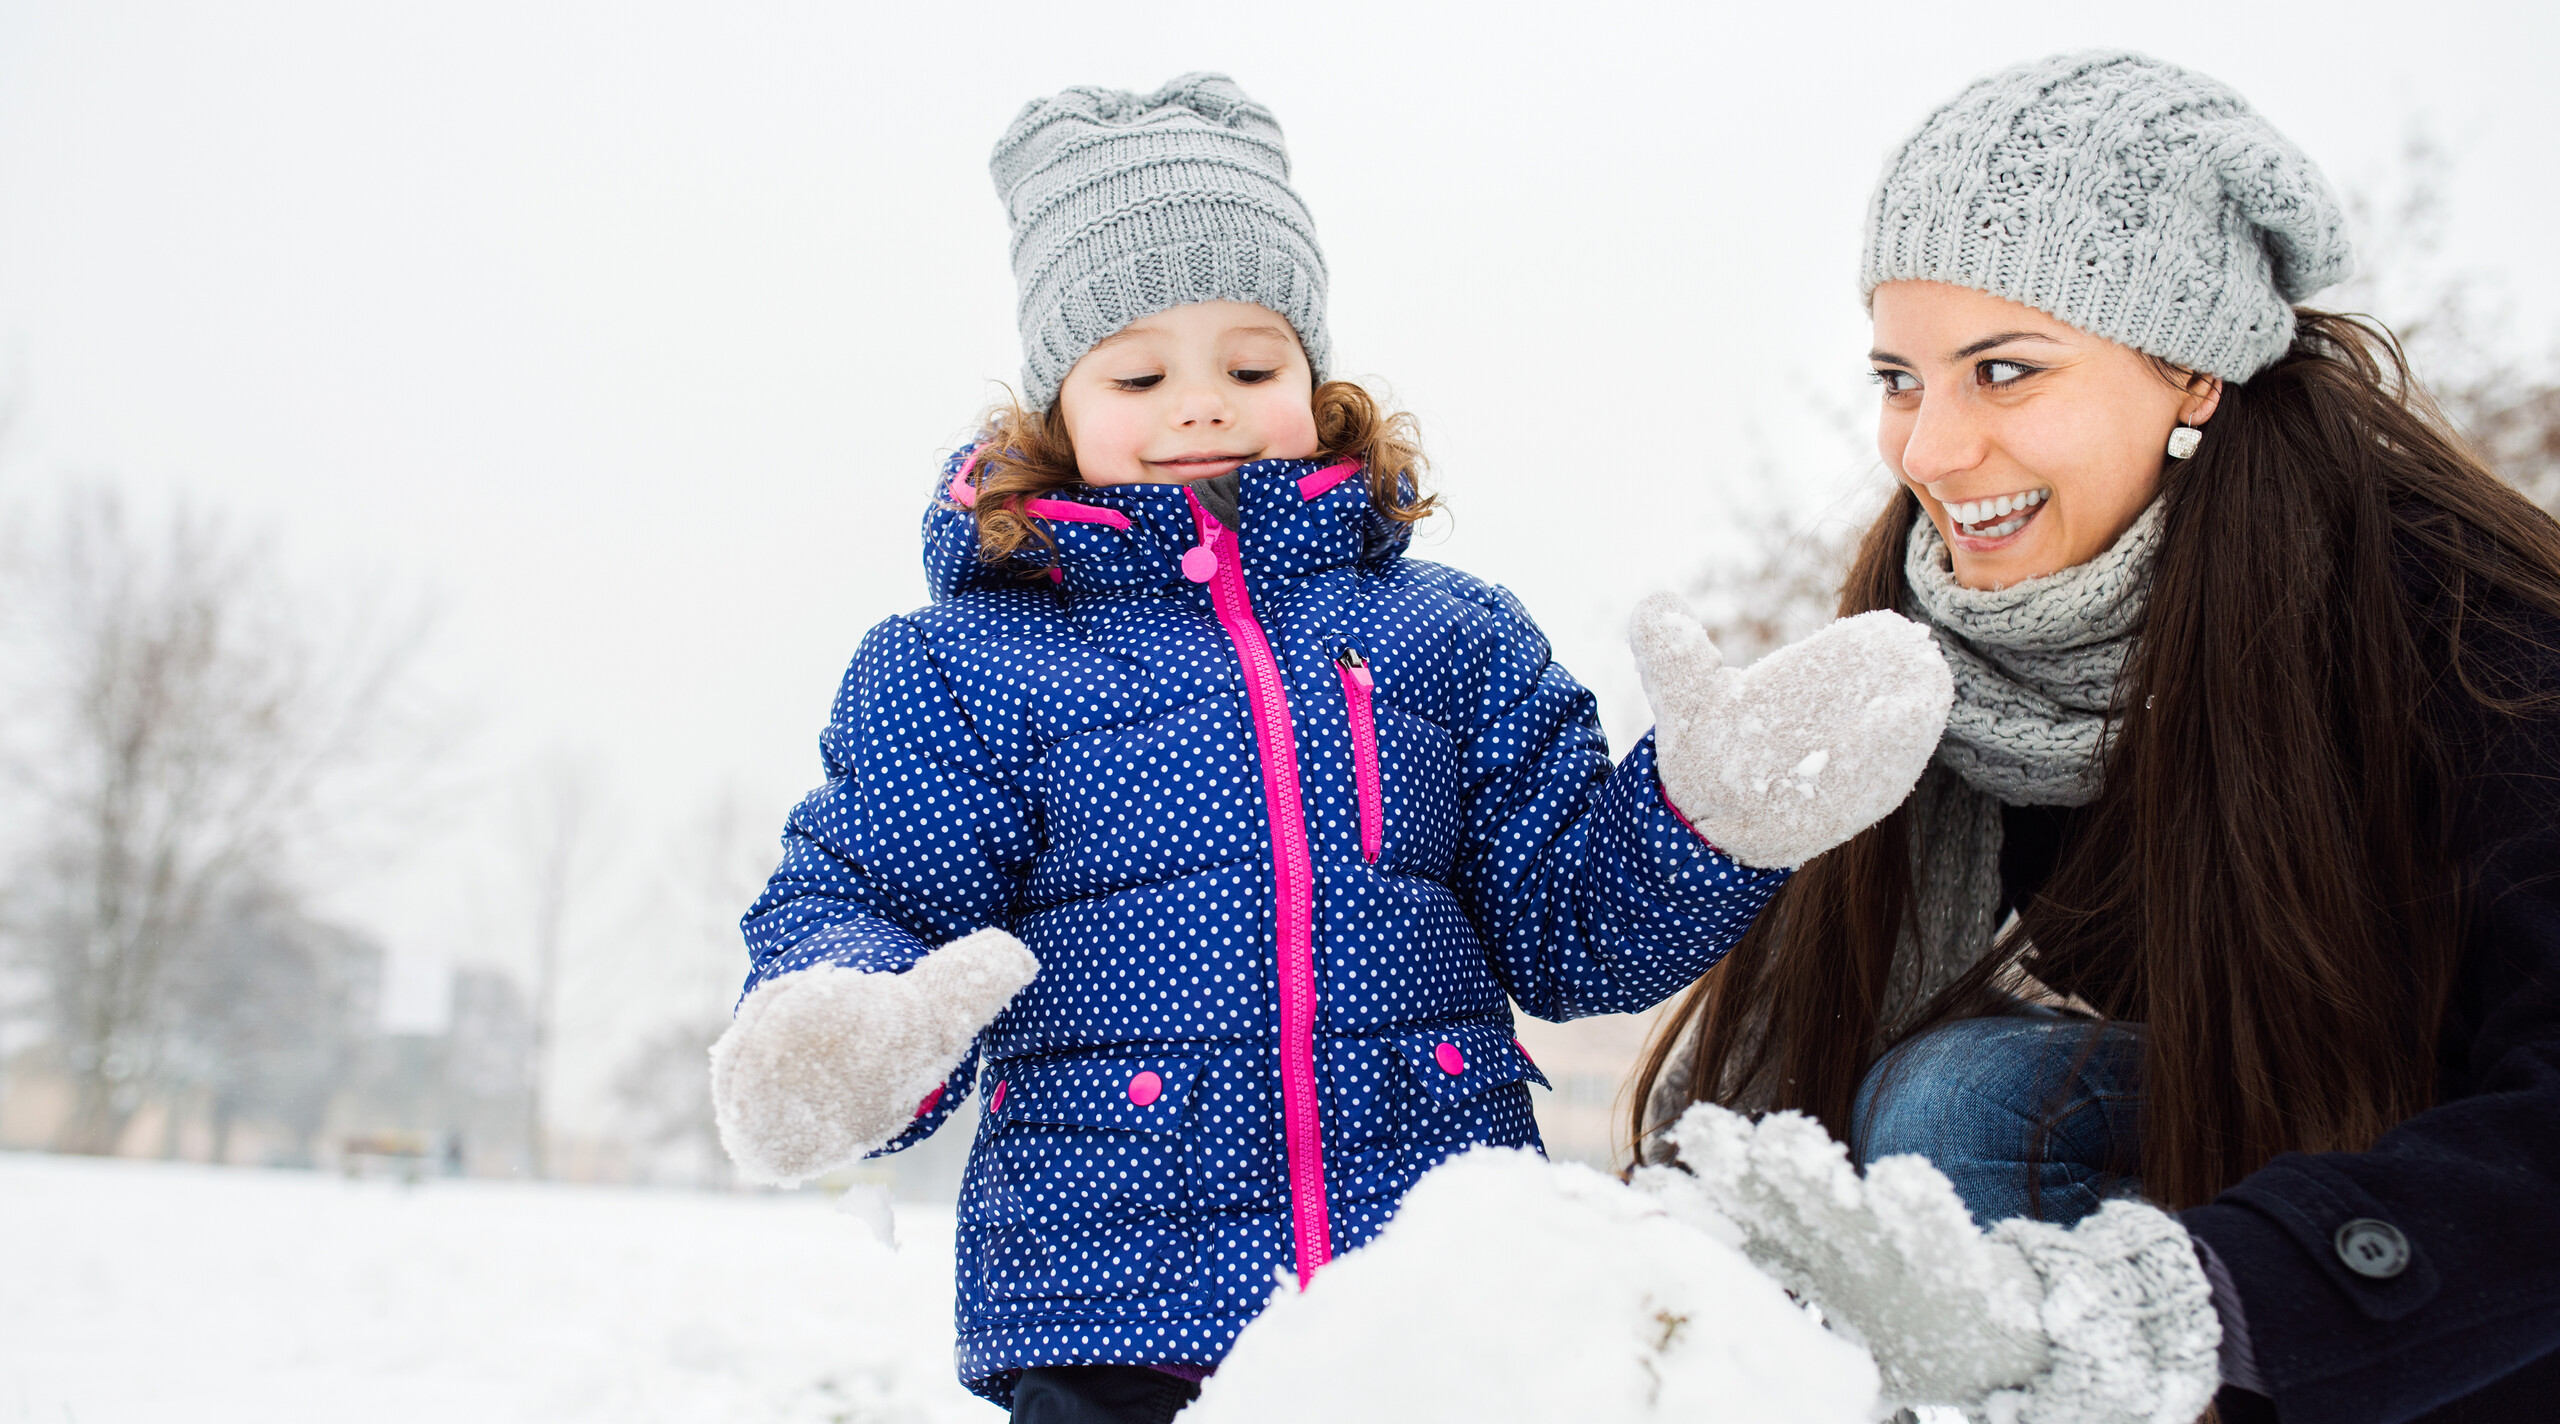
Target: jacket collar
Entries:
(1298, 517)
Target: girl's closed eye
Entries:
(1250, 377)
(1137, 383)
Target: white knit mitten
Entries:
(824, 1065)
(2109, 1322)
(1781, 761)
(2129, 1314)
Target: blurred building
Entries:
(276, 1055)
(1588, 1060)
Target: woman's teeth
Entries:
(1998, 517)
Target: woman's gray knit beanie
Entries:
(2127, 197)
(1126, 204)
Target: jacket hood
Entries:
(1297, 516)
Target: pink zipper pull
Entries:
(1368, 787)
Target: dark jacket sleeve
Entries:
(2472, 1185)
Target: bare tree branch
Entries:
(178, 718)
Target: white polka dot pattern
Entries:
(1073, 758)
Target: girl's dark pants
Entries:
(1100, 1394)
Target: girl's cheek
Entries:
(1107, 449)
(1287, 424)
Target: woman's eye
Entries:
(1252, 378)
(1896, 382)
(2001, 373)
(1136, 383)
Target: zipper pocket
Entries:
(1356, 686)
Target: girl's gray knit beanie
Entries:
(2127, 197)
(1125, 204)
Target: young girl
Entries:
(1238, 830)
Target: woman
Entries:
(2235, 886)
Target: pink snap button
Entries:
(931, 1101)
(1199, 563)
(1145, 1089)
(1451, 1061)
(996, 1104)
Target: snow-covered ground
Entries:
(134, 1291)
(1507, 1288)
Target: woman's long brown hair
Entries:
(1025, 455)
(2271, 879)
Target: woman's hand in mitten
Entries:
(2110, 1322)
(1780, 762)
(824, 1065)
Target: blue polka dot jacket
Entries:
(1290, 821)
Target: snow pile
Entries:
(137, 1293)
(1781, 761)
(1512, 1288)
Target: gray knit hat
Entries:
(2122, 195)
(1126, 204)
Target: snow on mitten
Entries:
(823, 1065)
(2110, 1322)
(1892, 1259)
(2129, 1315)
(1814, 743)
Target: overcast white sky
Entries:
(629, 332)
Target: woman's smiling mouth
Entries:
(1996, 518)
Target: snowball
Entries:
(1511, 1288)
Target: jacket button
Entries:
(1451, 1061)
(1199, 563)
(2373, 1248)
(931, 1101)
(1145, 1088)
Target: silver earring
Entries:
(2183, 442)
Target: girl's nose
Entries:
(1202, 405)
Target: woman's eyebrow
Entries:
(2004, 339)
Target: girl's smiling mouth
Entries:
(1192, 466)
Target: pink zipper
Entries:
(1294, 871)
(1356, 686)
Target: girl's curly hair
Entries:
(1024, 456)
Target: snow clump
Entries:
(1512, 1288)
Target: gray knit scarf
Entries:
(2036, 666)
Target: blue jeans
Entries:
(2029, 1114)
